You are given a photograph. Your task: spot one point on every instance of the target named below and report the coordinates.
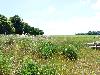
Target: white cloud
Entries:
(74, 25)
(85, 1)
(96, 5)
(51, 9)
(83, 24)
(97, 16)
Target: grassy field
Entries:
(53, 55)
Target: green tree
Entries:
(41, 32)
(36, 31)
(32, 31)
(17, 24)
(5, 26)
(26, 28)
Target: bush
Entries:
(5, 64)
(26, 44)
(47, 70)
(29, 68)
(47, 49)
(70, 52)
(32, 68)
(10, 41)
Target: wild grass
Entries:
(47, 55)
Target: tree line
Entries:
(16, 25)
(90, 33)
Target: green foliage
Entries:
(5, 64)
(47, 70)
(15, 25)
(5, 27)
(90, 33)
(32, 68)
(41, 32)
(29, 68)
(26, 44)
(70, 52)
(13, 57)
(47, 48)
(26, 28)
(22, 27)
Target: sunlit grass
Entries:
(19, 49)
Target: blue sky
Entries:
(56, 17)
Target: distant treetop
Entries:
(15, 25)
(90, 33)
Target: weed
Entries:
(47, 70)
(47, 49)
(29, 68)
(70, 52)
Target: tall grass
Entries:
(51, 56)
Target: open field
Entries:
(48, 55)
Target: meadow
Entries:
(52, 55)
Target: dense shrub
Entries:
(5, 64)
(47, 49)
(10, 41)
(70, 52)
(32, 68)
(47, 70)
(29, 68)
(26, 44)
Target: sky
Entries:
(56, 17)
